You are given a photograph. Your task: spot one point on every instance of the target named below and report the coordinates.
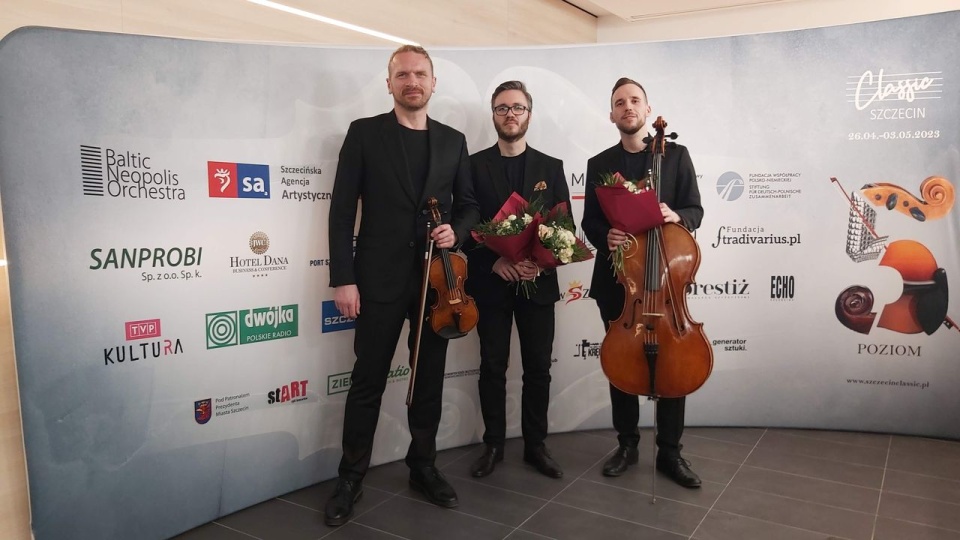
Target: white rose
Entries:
(527, 218)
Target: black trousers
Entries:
(375, 342)
(535, 327)
(625, 408)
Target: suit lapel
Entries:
(394, 150)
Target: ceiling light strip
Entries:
(334, 22)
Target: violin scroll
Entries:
(937, 198)
(434, 206)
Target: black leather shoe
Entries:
(487, 461)
(339, 507)
(431, 482)
(620, 460)
(678, 469)
(540, 458)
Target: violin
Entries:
(655, 348)
(922, 306)
(454, 313)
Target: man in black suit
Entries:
(510, 166)
(394, 162)
(680, 203)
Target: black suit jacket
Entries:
(543, 178)
(678, 189)
(391, 239)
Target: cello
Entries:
(454, 313)
(655, 348)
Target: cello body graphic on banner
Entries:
(165, 207)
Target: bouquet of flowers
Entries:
(511, 233)
(629, 205)
(557, 243)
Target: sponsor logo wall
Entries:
(169, 264)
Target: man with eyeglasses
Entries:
(510, 166)
(394, 162)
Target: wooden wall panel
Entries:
(82, 14)
(14, 502)
(757, 19)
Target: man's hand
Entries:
(669, 215)
(528, 270)
(523, 270)
(615, 239)
(506, 270)
(444, 236)
(347, 299)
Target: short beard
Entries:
(521, 133)
(630, 130)
(412, 107)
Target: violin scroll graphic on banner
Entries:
(923, 303)
(936, 198)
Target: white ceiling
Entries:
(637, 10)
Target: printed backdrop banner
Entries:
(165, 206)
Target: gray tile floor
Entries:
(758, 484)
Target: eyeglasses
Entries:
(501, 110)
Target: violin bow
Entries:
(415, 355)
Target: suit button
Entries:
(410, 244)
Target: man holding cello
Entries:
(394, 162)
(679, 203)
